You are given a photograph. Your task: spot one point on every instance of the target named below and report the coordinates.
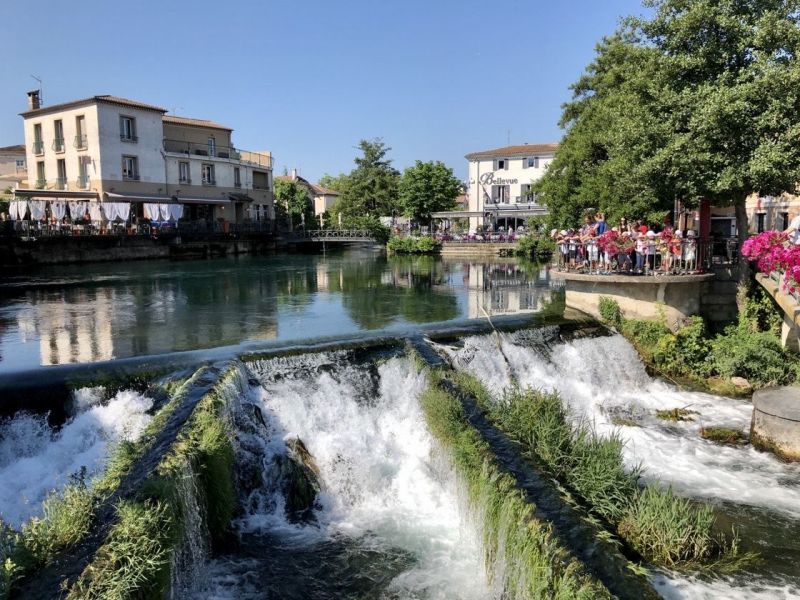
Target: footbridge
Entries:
(789, 304)
(334, 236)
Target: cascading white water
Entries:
(386, 486)
(36, 460)
(602, 378)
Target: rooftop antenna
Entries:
(41, 97)
(508, 137)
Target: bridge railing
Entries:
(334, 234)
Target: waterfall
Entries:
(602, 378)
(386, 519)
(36, 459)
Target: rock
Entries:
(742, 385)
(299, 481)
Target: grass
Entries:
(723, 435)
(664, 529)
(536, 565)
(676, 415)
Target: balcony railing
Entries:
(237, 184)
(83, 182)
(38, 147)
(81, 142)
(224, 152)
(61, 183)
(128, 138)
(58, 144)
(40, 184)
(130, 177)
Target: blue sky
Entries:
(307, 79)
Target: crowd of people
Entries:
(628, 247)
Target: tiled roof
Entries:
(174, 120)
(91, 100)
(17, 148)
(321, 191)
(521, 150)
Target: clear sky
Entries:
(307, 79)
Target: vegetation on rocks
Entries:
(749, 349)
(536, 565)
(676, 415)
(723, 435)
(664, 529)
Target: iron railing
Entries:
(40, 184)
(61, 183)
(81, 142)
(83, 182)
(655, 257)
(333, 234)
(202, 150)
(38, 147)
(58, 144)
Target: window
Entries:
(212, 146)
(531, 162)
(208, 174)
(80, 132)
(501, 164)
(237, 177)
(58, 139)
(83, 172)
(784, 221)
(61, 168)
(127, 129)
(38, 144)
(525, 193)
(260, 180)
(760, 218)
(130, 167)
(41, 180)
(20, 165)
(183, 172)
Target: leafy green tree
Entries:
(700, 100)
(428, 187)
(338, 182)
(292, 202)
(371, 188)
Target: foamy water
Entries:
(36, 460)
(386, 485)
(603, 377)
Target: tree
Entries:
(337, 183)
(699, 101)
(293, 202)
(428, 187)
(370, 188)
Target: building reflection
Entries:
(505, 288)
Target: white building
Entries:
(111, 149)
(500, 182)
(13, 166)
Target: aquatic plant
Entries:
(676, 415)
(413, 245)
(536, 565)
(663, 528)
(723, 435)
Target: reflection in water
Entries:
(101, 312)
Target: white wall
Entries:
(149, 130)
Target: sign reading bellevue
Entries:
(489, 179)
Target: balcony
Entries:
(40, 184)
(58, 144)
(61, 183)
(38, 147)
(237, 184)
(220, 152)
(125, 137)
(83, 182)
(81, 142)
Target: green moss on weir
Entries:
(134, 561)
(536, 565)
(662, 528)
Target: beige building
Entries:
(322, 199)
(13, 166)
(111, 149)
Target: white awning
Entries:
(182, 200)
(139, 197)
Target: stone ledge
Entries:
(776, 421)
(633, 279)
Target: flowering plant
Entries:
(608, 242)
(769, 252)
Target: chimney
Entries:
(33, 100)
(294, 173)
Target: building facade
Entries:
(111, 149)
(13, 166)
(499, 184)
(321, 198)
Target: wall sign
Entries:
(489, 179)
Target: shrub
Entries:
(532, 246)
(413, 245)
(610, 312)
(756, 356)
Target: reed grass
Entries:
(524, 548)
(664, 529)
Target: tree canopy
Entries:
(293, 203)
(701, 100)
(371, 188)
(428, 187)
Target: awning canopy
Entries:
(55, 194)
(155, 199)
(457, 214)
(183, 200)
(237, 197)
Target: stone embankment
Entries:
(776, 421)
